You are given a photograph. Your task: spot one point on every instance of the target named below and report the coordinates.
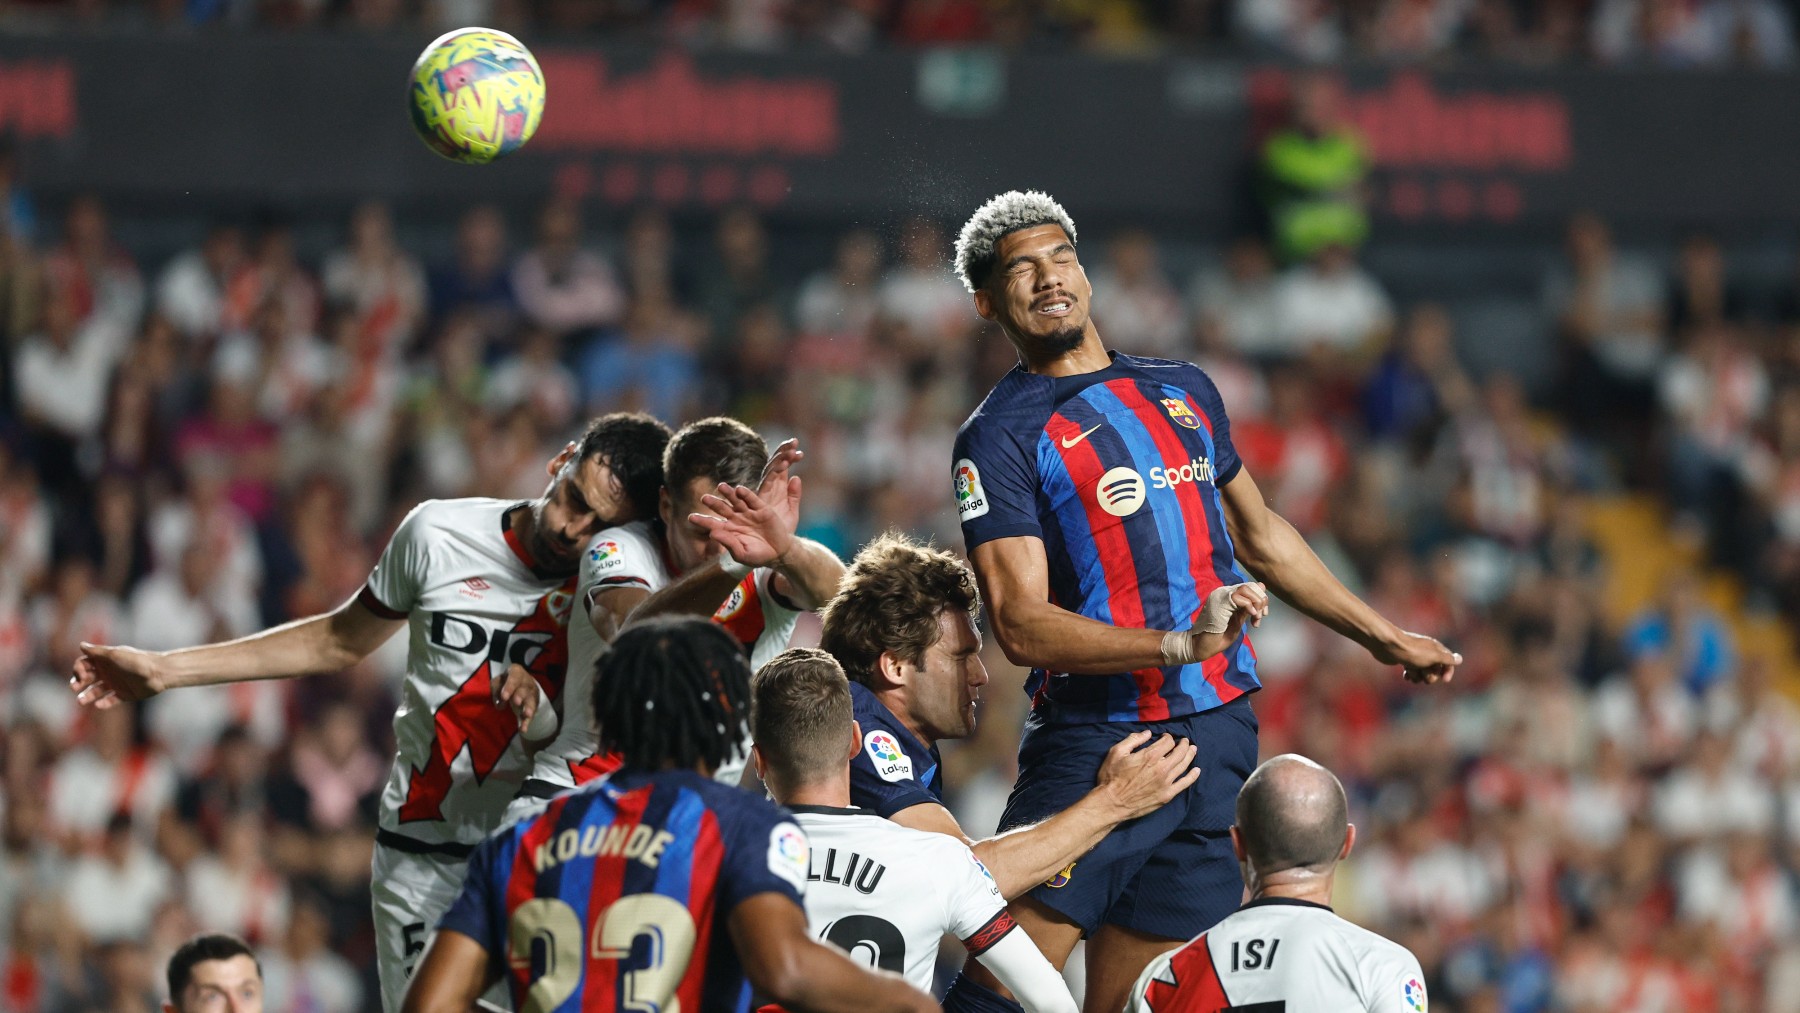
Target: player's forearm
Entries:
(812, 571)
(819, 979)
(1279, 557)
(699, 592)
(1022, 968)
(1041, 635)
(1023, 858)
(311, 646)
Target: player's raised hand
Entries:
(1142, 775)
(106, 676)
(519, 691)
(754, 531)
(779, 488)
(1421, 658)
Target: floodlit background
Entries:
(1503, 302)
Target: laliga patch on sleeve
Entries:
(789, 855)
(1413, 992)
(891, 763)
(971, 498)
(983, 869)
(605, 556)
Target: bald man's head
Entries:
(1292, 814)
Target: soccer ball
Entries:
(477, 94)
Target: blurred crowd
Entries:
(1591, 818)
(1676, 33)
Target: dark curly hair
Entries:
(673, 690)
(632, 445)
(890, 601)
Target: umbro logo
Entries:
(472, 587)
(1070, 441)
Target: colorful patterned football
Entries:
(476, 95)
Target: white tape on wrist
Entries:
(1178, 648)
(729, 564)
(543, 720)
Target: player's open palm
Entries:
(1143, 775)
(757, 526)
(778, 488)
(1422, 659)
(105, 676)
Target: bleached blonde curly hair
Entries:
(1006, 213)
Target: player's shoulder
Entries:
(1021, 401)
(1175, 372)
(728, 803)
(1327, 928)
(633, 549)
(448, 512)
(630, 537)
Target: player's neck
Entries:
(1088, 357)
(896, 705)
(1314, 889)
(832, 794)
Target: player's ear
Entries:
(756, 761)
(1349, 841)
(855, 739)
(562, 458)
(891, 668)
(984, 304)
(1237, 844)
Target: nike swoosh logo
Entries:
(1070, 441)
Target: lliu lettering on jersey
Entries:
(852, 870)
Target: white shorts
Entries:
(411, 894)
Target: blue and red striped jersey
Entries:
(617, 896)
(1118, 472)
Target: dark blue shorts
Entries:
(1169, 874)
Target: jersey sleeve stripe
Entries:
(995, 930)
(366, 598)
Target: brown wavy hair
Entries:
(890, 601)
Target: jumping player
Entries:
(878, 890)
(655, 888)
(903, 628)
(485, 587)
(1286, 949)
(1105, 509)
(627, 565)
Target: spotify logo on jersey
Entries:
(1120, 492)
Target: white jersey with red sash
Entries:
(474, 604)
(635, 555)
(1277, 955)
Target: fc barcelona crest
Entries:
(1180, 412)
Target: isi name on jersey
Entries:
(1279, 955)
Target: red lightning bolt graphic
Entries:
(470, 718)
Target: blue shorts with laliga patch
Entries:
(1171, 873)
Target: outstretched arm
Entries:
(1272, 551)
(1132, 781)
(1015, 583)
(105, 676)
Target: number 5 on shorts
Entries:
(550, 928)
